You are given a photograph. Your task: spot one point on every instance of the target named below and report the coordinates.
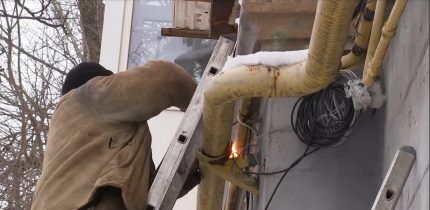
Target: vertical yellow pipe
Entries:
(362, 38)
(388, 32)
(375, 35)
(329, 33)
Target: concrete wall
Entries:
(404, 120)
(338, 178)
(348, 176)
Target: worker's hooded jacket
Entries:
(98, 136)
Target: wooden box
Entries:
(201, 19)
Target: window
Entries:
(146, 42)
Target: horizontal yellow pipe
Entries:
(316, 72)
(388, 32)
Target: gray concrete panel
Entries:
(405, 117)
(348, 176)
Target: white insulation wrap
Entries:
(267, 59)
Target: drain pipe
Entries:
(316, 72)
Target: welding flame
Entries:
(234, 152)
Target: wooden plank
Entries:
(186, 33)
(197, 0)
(182, 151)
(217, 32)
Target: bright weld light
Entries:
(234, 153)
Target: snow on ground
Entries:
(267, 58)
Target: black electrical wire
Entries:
(284, 171)
(325, 117)
(319, 120)
(322, 119)
(292, 165)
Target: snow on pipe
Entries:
(374, 62)
(362, 38)
(293, 79)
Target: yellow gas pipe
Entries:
(316, 72)
(361, 40)
(374, 61)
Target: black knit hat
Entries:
(81, 73)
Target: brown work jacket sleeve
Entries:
(139, 93)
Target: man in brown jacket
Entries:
(98, 153)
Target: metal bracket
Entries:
(231, 171)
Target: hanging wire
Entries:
(319, 120)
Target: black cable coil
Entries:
(325, 118)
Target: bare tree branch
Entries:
(33, 15)
(68, 31)
(35, 54)
(34, 57)
(92, 26)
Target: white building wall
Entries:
(116, 34)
